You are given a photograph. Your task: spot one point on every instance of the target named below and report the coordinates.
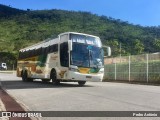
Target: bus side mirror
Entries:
(109, 51)
(70, 45)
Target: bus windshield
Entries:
(86, 51)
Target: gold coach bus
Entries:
(75, 57)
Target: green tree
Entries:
(157, 44)
(138, 47)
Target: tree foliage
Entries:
(157, 43)
(20, 28)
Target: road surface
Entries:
(94, 96)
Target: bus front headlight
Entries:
(73, 69)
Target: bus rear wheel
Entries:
(54, 78)
(25, 77)
(81, 83)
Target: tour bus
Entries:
(71, 57)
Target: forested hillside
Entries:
(20, 28)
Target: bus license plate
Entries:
(88, 76)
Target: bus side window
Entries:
(32, 53)
(36, 52)
(51, 48)
(48, 49)
(64, 57)
(23, 55)
(26, 54)
(39, 50)
(43, 51)
(54, 48)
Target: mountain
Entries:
(21, 28)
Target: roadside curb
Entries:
(2, 108)
(10, 103)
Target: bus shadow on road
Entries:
(17, 84)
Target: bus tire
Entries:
(81, 83)
(54, 79)
(24, 76)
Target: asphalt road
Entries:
(94, 96)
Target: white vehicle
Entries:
(3, 66)
(74, 57)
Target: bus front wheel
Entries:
(54, 78)
(81, 83)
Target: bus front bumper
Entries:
(76, 76)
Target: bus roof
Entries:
(78, 34)
(42, 44)
(48, 42)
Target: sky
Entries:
(142, 12)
